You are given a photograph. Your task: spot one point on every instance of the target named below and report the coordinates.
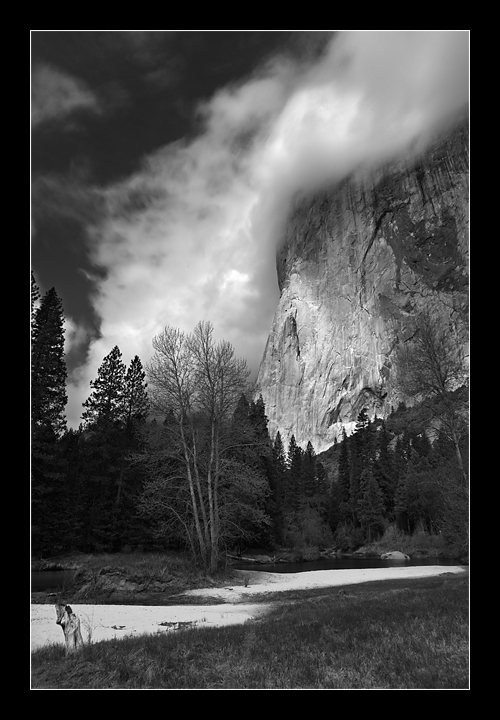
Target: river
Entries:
(54, 580)
(50, 580)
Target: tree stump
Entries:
(70, 624)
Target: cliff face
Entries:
(356, 265)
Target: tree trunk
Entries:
(120, 482)
(213, 468)
(199, 532)
(460, 461)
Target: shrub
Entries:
(307, 529)
(348, 538)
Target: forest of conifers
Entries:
(190, 464)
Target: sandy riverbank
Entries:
(104, 622)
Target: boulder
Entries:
(394, 555)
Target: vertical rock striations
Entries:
(357, 264)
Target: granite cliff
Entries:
(358, 262)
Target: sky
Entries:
(164, 163)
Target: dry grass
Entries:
(150, 578)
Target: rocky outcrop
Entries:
(358, 262)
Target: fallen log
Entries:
(254, 561)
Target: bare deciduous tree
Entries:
(197, 383)
(432, 368)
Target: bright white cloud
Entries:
(203, 249)
(74, 335)
(56, 95)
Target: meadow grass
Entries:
(398, 634)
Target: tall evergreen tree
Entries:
(384, 471)
(107, 402)
(279, 457)
(136, 408)
(249, 444)
(278, 486)
(114, 411)
(258, 419)
(370, 508)
(241, 423)
(407, 499)
(322, 479)
(135, 394)
(49, 514)
(294, 475)
(248, 440)
(344, 471)
(308, 472)
(48, 366)
(358, 454)
(335, 509)
(263, 449)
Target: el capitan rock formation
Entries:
(357, 264)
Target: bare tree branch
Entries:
(198, 382)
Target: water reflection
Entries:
(50, 580)
(341, 563)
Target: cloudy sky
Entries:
(163, 164)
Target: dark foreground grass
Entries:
(387, 635)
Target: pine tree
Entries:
(358, 454)
(49, 511)
(114, 411)
(248, 439)
(279, 458)
(385, 472)
(344, 470)
(48, 366)
(250, 446)
(136, 408)
(406, 501)
(107, 402)
(279, 474)
(241, 415)
(258, 419)
(294, 475)
(370, 506)
(135, 394)
(308, 471)
(335, 509)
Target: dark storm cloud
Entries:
(57, 97)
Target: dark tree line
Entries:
(48, 402)
(391, 473)
(84, 486)
(300, 495)
(177, 455)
